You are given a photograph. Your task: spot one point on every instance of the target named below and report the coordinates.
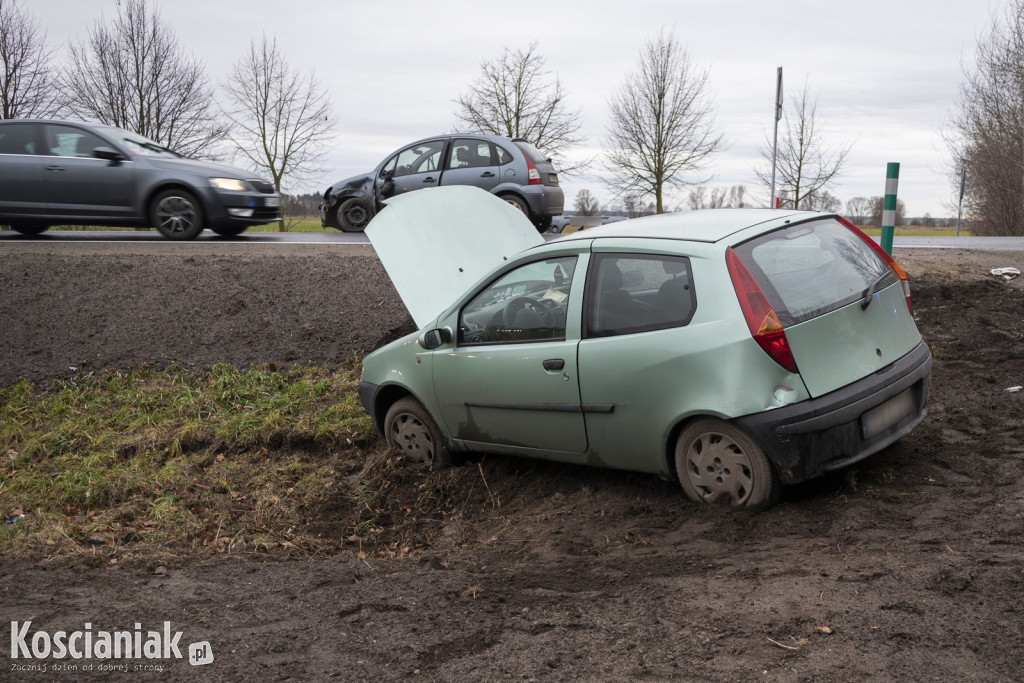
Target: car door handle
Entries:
(429, 179)
(553, 364)
(54, 168)
(487, 174)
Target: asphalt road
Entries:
(341, 238)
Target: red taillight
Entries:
(884, 256)
(532, 172)
(761, 319)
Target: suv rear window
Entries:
(531, 152)
(813, 268)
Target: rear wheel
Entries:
(716, 462)
(28, 229)
(411, 430)
(177, 215)
(354, 214)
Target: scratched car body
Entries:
(735, 351)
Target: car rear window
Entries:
(813, 268)
(531, 152)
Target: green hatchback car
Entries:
(732, 350)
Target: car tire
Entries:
(230, 231)
(354, 215)
(29, 229)
(410, 430)
(717, 462)
(176, 214)
(544, 224)
(519, 203)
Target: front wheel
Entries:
(717, 462)
(177, 215)
(354, 214)
(411, 430)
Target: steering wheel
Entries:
(512, 308)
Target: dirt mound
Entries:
(906, 567)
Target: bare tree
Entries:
(515, 97)
(281, 120)
(27, 81)
(134, 74)
(987, 129)
(806, 166)
(858, 210)
(586, 204)
(719, 198)
(662, 124)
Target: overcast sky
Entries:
(886, 72)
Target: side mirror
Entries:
(108, 154)
(432, 339)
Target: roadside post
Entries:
(774, 202)
(892, 180)
(960, 205)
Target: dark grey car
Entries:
(69, 173)
(514, 170)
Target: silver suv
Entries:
(514, 170)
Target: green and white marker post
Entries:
(892, 181)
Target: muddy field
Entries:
(907, 567)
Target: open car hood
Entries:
(436, 243)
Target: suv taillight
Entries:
(761, 318)
(882, 254)
(532, 172)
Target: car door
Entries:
(511, 378)
(80, 186)
(640, 353)
(471, 161)
(22, 194)
(418, 167)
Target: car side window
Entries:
(504, 156)
(468, 153)
(526, 304)
(389, 165)
(18, 138)
(64, 141)
(630, 293)
(421, 158)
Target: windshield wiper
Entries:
(869, 293)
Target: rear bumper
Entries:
(813, 437)
(544, 200)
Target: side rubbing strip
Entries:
(549, 407)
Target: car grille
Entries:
(262, 186)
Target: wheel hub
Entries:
(719, 468)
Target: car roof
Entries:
(706, 225)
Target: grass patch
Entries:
(292, 224)
(229, 460)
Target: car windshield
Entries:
(137, 144)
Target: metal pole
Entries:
(960, 208)
(892, 181)
(775, 142)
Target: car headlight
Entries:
(232, 184)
